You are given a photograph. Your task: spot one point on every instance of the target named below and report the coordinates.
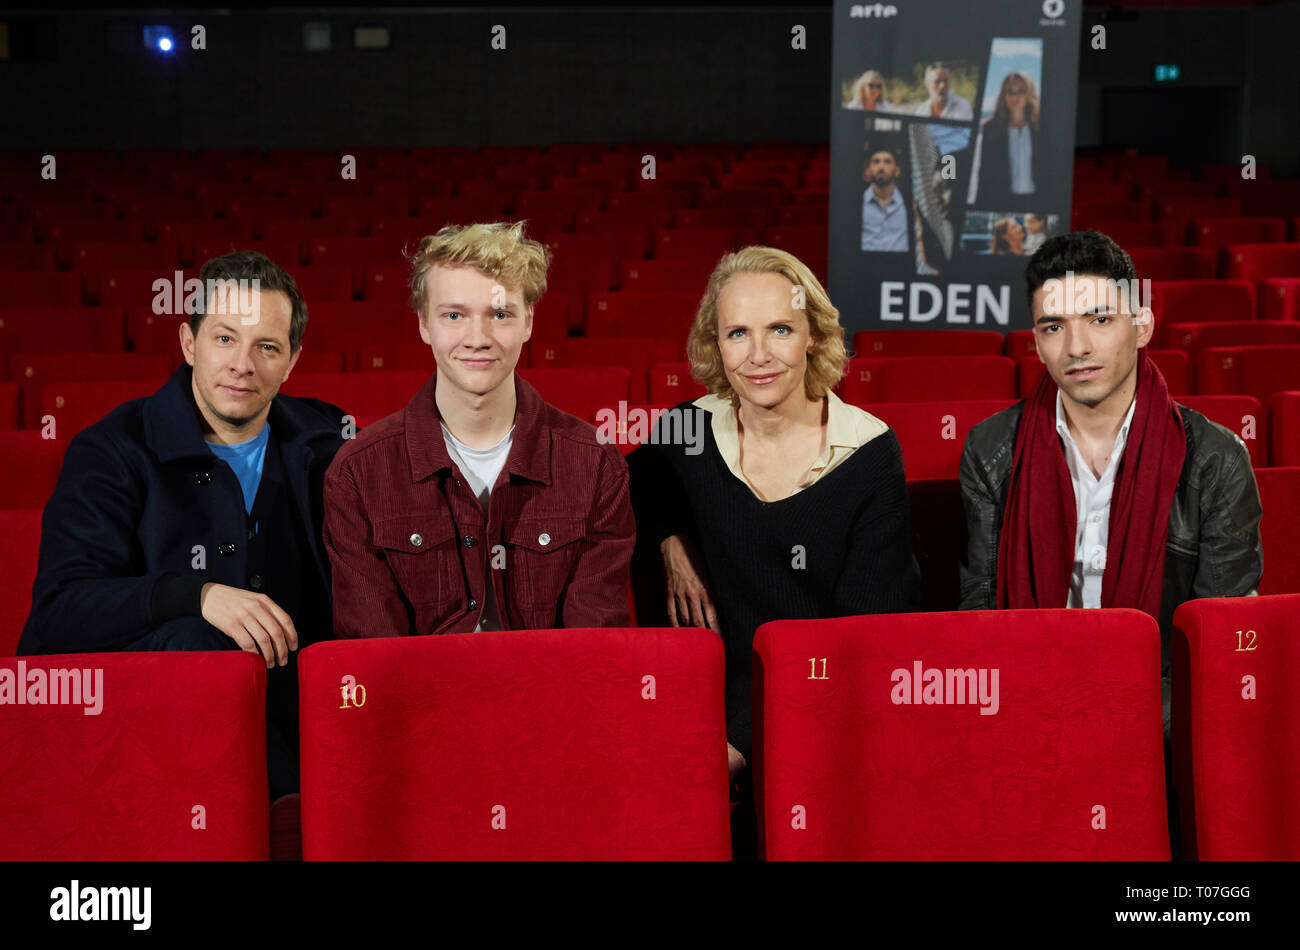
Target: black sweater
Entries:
(841, 547)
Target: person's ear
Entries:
(187, 342)
(293, 361)
(1145, 321)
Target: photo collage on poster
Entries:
(951, 165)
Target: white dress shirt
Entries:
(955, 108)
(1092, 504)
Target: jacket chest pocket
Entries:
(422, 553)
(542, 554)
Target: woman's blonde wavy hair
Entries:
(499, 249)
(828, 359)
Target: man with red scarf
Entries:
(1098, 490)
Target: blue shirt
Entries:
(883, 229)
(1021, 146)
(246, 458)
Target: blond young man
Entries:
(478, 506)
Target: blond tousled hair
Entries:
(499, 249)
(828, 359)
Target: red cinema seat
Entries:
(404, 356)
(1020, 343)
(748, 220)
(1127, 233)
(602, 744)
(171, 767)
(1258, 371)
(386, 283)
(29, 468)
(884, 738)
(1236, 726)
(60, 329)
(346, 326)
(932, 434)
(579, 392)
(634, 354)
(876, 343)
(552, 317)
(671, 383)
(1173, 263)
(1255, 262)
(1279, 496)
(1180, 211)
(695, 243)
(76, 405)
(21, 529)
(928, 379)
(369, 394)
(1194, 337)
(1244, 415)
(326, 282)
(1220, 232)
(1201, 301)
(665, 276)
(22, 289)
(1284, 422)
(33, 371)
(629, 313)
(1279, 298)
(8, 406)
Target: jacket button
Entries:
(543, 539)
(469, 542)
(203, 478)
(473, 605)
(416, 540)
(227, 548)
(255, 582)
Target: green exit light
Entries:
(1166, 72)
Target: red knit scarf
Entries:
(1036, 549)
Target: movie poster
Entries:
(952, 151)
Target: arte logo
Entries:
(935, 687)
(867, 10)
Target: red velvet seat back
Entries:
(516, 745)
(172, 767)
(1236, 727)
(1070, 766)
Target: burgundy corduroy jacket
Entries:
(411, 549)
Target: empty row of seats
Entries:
(977, 735)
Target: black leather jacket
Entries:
(1213, 547)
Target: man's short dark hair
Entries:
(1082, 252)
(873, 152)
(270, 276)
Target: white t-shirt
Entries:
(481, 468)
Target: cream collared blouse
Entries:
(847, 428)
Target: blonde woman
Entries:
(795, 505)
(868, 93)
(1010, 146)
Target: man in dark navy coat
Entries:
(191, 519)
